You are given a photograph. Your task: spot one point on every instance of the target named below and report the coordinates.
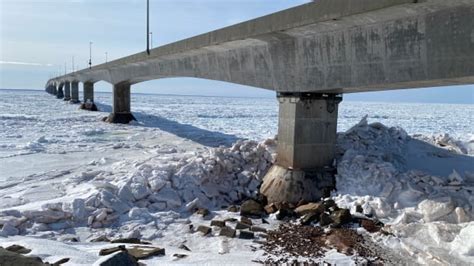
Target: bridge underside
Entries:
(371, 45)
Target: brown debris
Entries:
(18, 249)
(204, 229)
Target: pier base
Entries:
(67, 91)
(88, 103)
(121, 109)
(59, 92)
(307, 130)
(74, 92)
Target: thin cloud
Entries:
(23, 63)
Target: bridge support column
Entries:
(74, 92)
(67, 91)
(59, 93)
(121, 109)
(55, 90)
(307, 130)
(88, 103)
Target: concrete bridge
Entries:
(309, 55)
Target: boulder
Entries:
(218, 223)
(251, 208)
(240, 225)
(341, 217)
(203, 212)
(108, 251)
(12, 258)
(258, 229)
(246, 235)
(271, 208)
(310, 217)
(245, 220)
(227, 231)
(61, 261)
(121, 258)
(18, 249)
(204, 229)
(312, 207)
(285, 213)
(141, 253)
(325, 219)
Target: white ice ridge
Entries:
(423, 190)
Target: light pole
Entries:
(148, 27)
(90, 55)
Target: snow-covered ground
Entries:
(65, 174)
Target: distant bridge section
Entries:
(309, 55)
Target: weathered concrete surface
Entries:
(67, 91)
(307, 130)
(60, 93)
(88, 91)
(307, 123)
(281, 184)
(331, 46)
(88, 102)
(121, 104)
(74, 92)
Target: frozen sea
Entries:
(34, 121)
(183, 148)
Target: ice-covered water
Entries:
(60, 165)
(33, 121)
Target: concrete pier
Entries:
(55, 89)
(67, 91)
(121, 108)
(59, 92)
(74, 92)
(307, 130)
(88, 101)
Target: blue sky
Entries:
(37, 37)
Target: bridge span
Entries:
(309, 55)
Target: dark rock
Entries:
(61, 261)
(108, 251)
(18, 249)
(310, 217)
(258, 229)
(271, 208)
(264, 221)
(131, 240)
(218, 223)
(233, 208)
(246, 235)
(230, 220)
(121, 258)
(12, 258)
(245, 220)
(100, 239)
(262, 199)
(301, 202)
(325, 219)
(227, 231)
(285, 213)
(204, 229)
(341, 217)
(183, 246)
(330, 203)
(371, 226)
(180, 256)
(141, 253)
(203, 212)
(120, 118)
(242, 226)
(251, 208)
(312, 207)
(359, 209)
